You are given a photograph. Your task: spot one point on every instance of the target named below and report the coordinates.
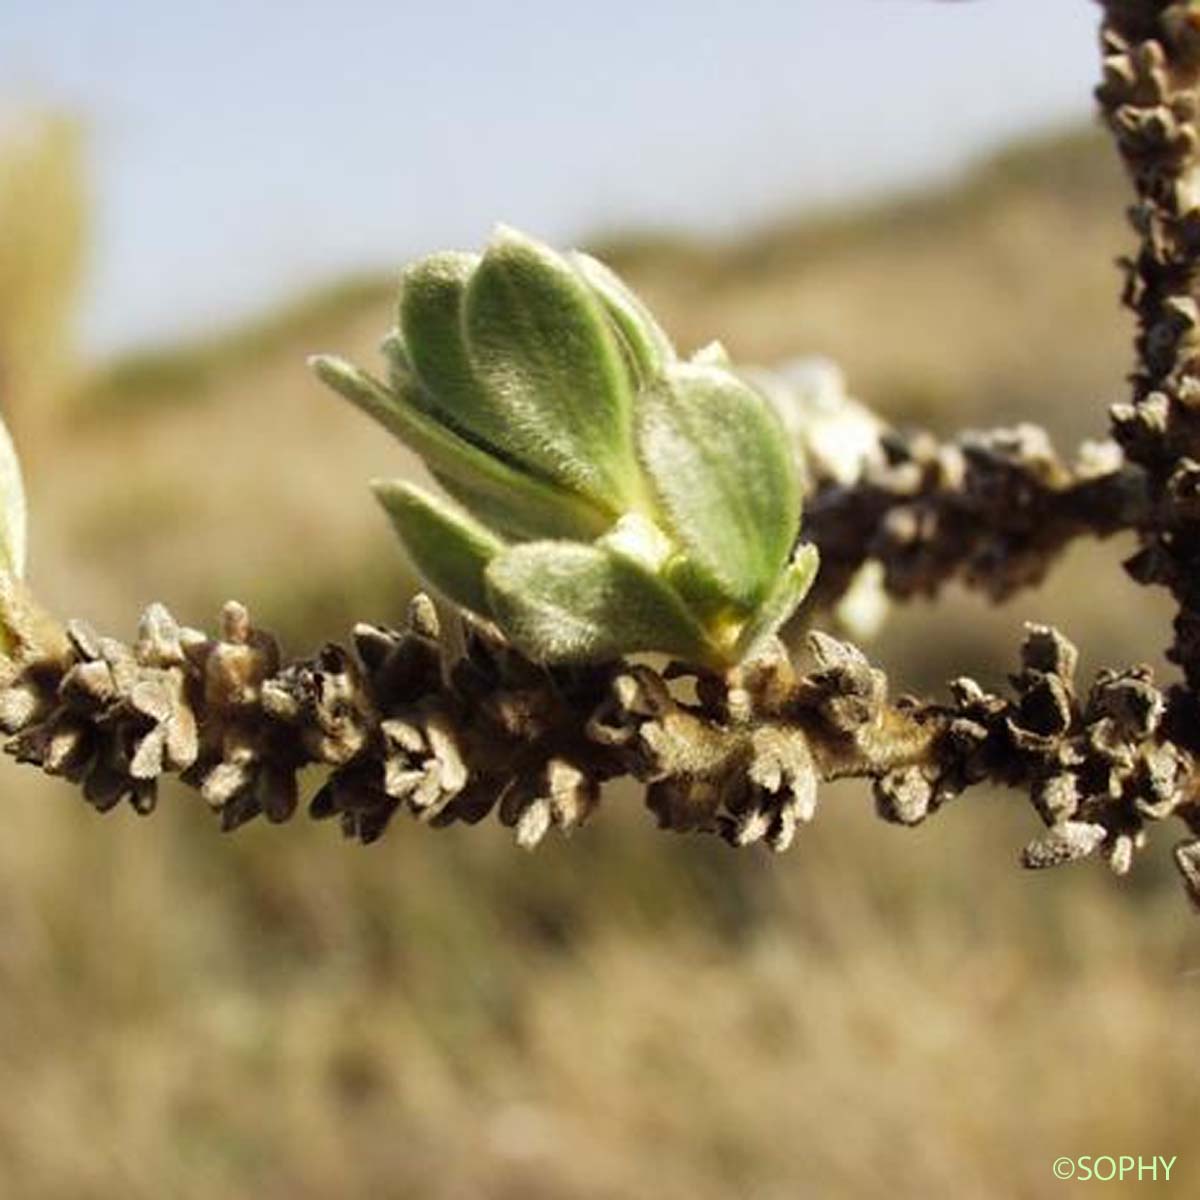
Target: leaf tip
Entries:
(328, 367)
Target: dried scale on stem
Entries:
(621, 541)
(403, 722)
(991, 509)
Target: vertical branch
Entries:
(1150, 100)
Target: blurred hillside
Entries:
(878, 1013)
(42, 233)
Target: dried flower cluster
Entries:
(991, 509)
(450, 735)
(534, 703)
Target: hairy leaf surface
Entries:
(448, 546)
(723, 474)
(566, 602)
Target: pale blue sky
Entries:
(240, 148)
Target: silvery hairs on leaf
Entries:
(519, 504)
(448, 546)
(605, 497)
(566, 602)
(723, 476)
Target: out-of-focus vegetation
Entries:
(195, 370)
(878, 1013)
(42, 226)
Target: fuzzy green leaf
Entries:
(783, 600)
(723, 474)
(432, 293)
(497, 494)
(541, 343)
(447, 546)
(649, 348)
(563, 602)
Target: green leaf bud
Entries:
(614, 499)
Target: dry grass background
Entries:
(878, 1013)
